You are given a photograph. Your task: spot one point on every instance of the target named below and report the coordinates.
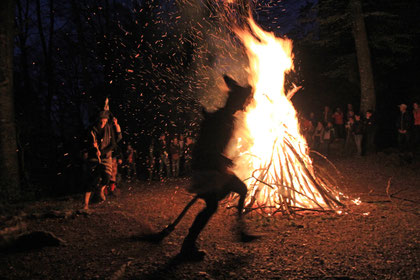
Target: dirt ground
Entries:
(377, 240)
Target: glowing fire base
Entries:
(286, 185)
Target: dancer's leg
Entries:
(189, 248)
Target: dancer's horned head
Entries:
(239, 97)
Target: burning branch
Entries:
(295, 181)
(292, 92)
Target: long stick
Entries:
(172, 226)
(95, 142)
(159, 236)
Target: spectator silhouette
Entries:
(416, 125)
(358, 131)
(326, 115)
(328, 137)
(175, 151)
(163, 157)
(317, 136)
(404, 123)
(338, 118)
(369, 126)
(130, 162)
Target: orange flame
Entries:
(273, 155)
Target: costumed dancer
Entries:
(212, 178)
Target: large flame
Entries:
(273, 154)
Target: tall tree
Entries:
(367, 87)
(22, 22)
(9, 168)
(47, 50)
(345, 41)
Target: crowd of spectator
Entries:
(356, 132)
(169, 155)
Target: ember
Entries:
(274, 157)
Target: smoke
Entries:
(215, 51)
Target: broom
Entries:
(159, 236)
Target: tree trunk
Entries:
(9, 168)
(85, 80)
(23, 29)
(367, 87)
(48, 53)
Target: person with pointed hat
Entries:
(101, 144)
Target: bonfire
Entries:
(273, 156)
